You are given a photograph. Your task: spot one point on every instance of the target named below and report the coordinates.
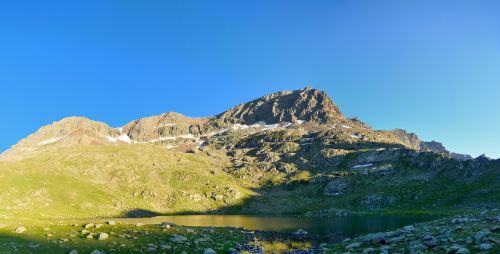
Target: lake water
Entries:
(335, 228)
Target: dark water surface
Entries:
(338, 226)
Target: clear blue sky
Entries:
(430, 67)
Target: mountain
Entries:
(308, 105)
(431, 146)
(288, 152)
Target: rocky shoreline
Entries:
(469, 233)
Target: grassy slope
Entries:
(63, 237)
(109, 181)
(408, 190)
(99, 181)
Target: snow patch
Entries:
(355, 136)
(165, 125)
(189, 136)
(346, 126)
(170, 146)
(48, 141)
(123, 138)
(260, 124)
(363, 165)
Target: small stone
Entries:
(353, 245)
(300, 232)
(209, 251)
(20, 230)
(463, 250)
(95, 252)
(409, 229)
(395, 240)
(469, 240)
(485, 246)
(375, 238)
(90, 236)
(369, 251)
(481, 234)
(430, 241)
(165, 247)
(88, 225)
(152, 247)
(73, 252)
(495, 229)
(138, 224)
(102, 236)
(453, 249)
(167, 224)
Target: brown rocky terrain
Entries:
(306, 117)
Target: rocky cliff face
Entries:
(308, 104)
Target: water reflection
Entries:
(319, 226)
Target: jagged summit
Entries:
(307, 104)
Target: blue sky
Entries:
(430, 67)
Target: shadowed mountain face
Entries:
(290, 152)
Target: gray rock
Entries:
(395, 240)
(73, 252)
(95, 252)
(20, 230)
(430, 241)
(167, 224)
(408, 229)
(375, 238)
(209, 251)
(165, 247)
(463, 250)
(453, 249)
(485, 246)
(178, 239)
(336, 186)
(481, 234)
(369, 251)
(300, 232)
(353, 245)
(469, 240)
(102, 236)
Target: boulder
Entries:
(481, 234)
(209, 251)
(20, 230)
(102, 236)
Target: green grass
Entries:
(61, 237)
(109, 181)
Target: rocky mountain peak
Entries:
(68, 131)
(307, 104)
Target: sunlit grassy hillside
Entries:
(121, 180)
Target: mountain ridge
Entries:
(309, 108)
